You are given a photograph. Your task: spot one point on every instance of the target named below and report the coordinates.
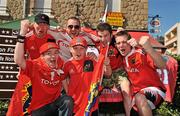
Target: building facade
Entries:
(172, 39)
(134, 12)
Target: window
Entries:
(3, 8)
(43, 6)
(113, 5)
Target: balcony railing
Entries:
(170, 41)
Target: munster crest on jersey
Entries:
(88, 66)
(133, 61)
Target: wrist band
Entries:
(20, 38)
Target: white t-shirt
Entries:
(63, 40)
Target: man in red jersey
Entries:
(80, 69)
(46, 76)
(35, 34)
(169, 75)
(104, 31)
(141, 64)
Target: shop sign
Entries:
(115, 18)
(8, 68)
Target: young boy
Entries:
(46, 76)
(80, 70)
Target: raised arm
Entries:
(19, 49)
(157, 58)
(19, 55)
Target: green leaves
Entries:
(114, 80)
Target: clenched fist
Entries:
(25, 27)
(132, 42)
(145, 42)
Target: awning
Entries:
(134, 34)
(16, 23)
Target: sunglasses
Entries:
(75, 26)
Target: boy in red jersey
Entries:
(33, 35)
(148, 90)
(46, 76)
(80, 70)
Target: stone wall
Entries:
(14, 11)
(135, 13)
(89, 10)
(15, 8)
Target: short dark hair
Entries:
(74, 18)
(103, 27)
(123, 33)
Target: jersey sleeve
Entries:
(66, 70)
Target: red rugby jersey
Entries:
(141, 71)
(79, 84)
(45, 85)
(33, 43)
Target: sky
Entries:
(168, 10)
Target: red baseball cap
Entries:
(49, 45)
(79, 40)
